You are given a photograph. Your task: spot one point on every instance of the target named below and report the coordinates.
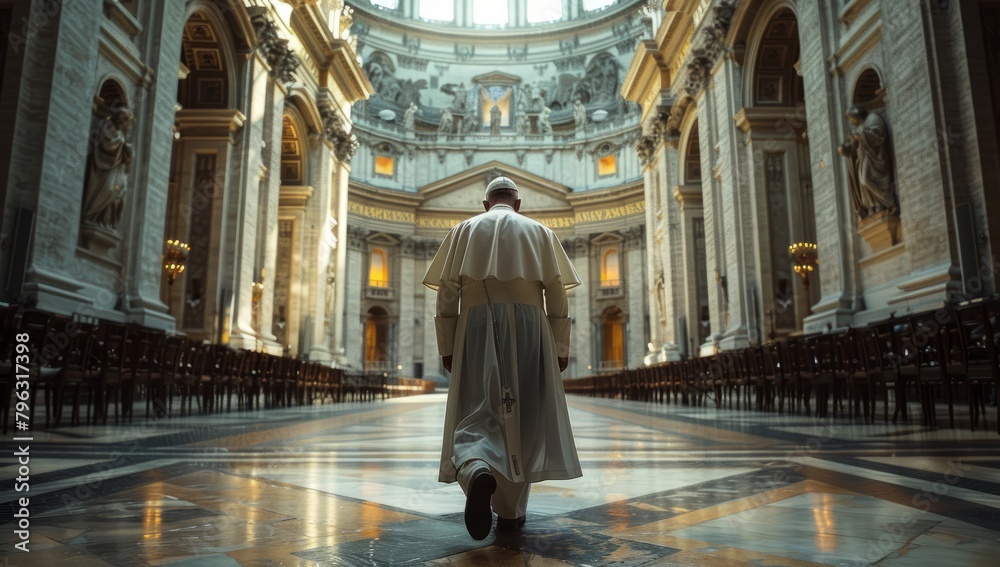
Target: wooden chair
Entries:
(47, 344)
(979, 351)
(928, 339)
(110, 379)
(165, 374)
(798, 368)
(77, 368)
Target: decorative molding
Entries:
(410, 62)
(519, 53)
(570, 63)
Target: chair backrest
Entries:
(975, 331)
(111, 346)
(928, 339)
(83, 332)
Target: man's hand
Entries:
(446, 361)
(563, 363)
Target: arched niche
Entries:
(868, 90)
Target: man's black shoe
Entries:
(478, 513)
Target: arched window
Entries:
(544, 11)
(440, 10)
(489, 12)
(692, 157)
(378, 269)
(387, 4)
(291, 154)
(610, 273)
(597, 4)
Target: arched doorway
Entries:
(612, 340)
(377, 340)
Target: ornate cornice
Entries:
(344, 143)
(275, 50)
(707, 46)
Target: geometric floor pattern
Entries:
(356, 484)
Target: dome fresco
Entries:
(490, 13)
(553, 88)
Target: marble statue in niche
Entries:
(410, 117)
(107, 171)
(521, 123)
(544, 125)
(579, 114)
(495, 114)
(446, 125)
(869, 169)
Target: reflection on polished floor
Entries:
(355, 484)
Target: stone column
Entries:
(296, 248)
(199, 216)
(240, 239)
(354, 328)
(271, 158)
(48, 165)
(153, 146)
(582, 356)
(320, 274)
(838, 280)
(690, 264)
(654, 258)
(343, 271)
(734, 259)
(670, 243)
(410, 281)
(634, 257)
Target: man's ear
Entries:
(486, 205)
(517, 205)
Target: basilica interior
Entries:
(217, 215)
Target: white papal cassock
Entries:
(522, 262)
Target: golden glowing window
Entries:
(610, 274)
(385, 165)
(378, 269)
(499, 97)
(607, 165)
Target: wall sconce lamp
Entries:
(257, 288)
(174, 259)
(804, 259)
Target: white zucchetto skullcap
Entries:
(500, 183)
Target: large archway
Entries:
(612, 340)
(377, 340)
(778, 152)
(199, 174)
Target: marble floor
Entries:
(354, 484)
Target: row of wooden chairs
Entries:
(98, 364)
(950, 352)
